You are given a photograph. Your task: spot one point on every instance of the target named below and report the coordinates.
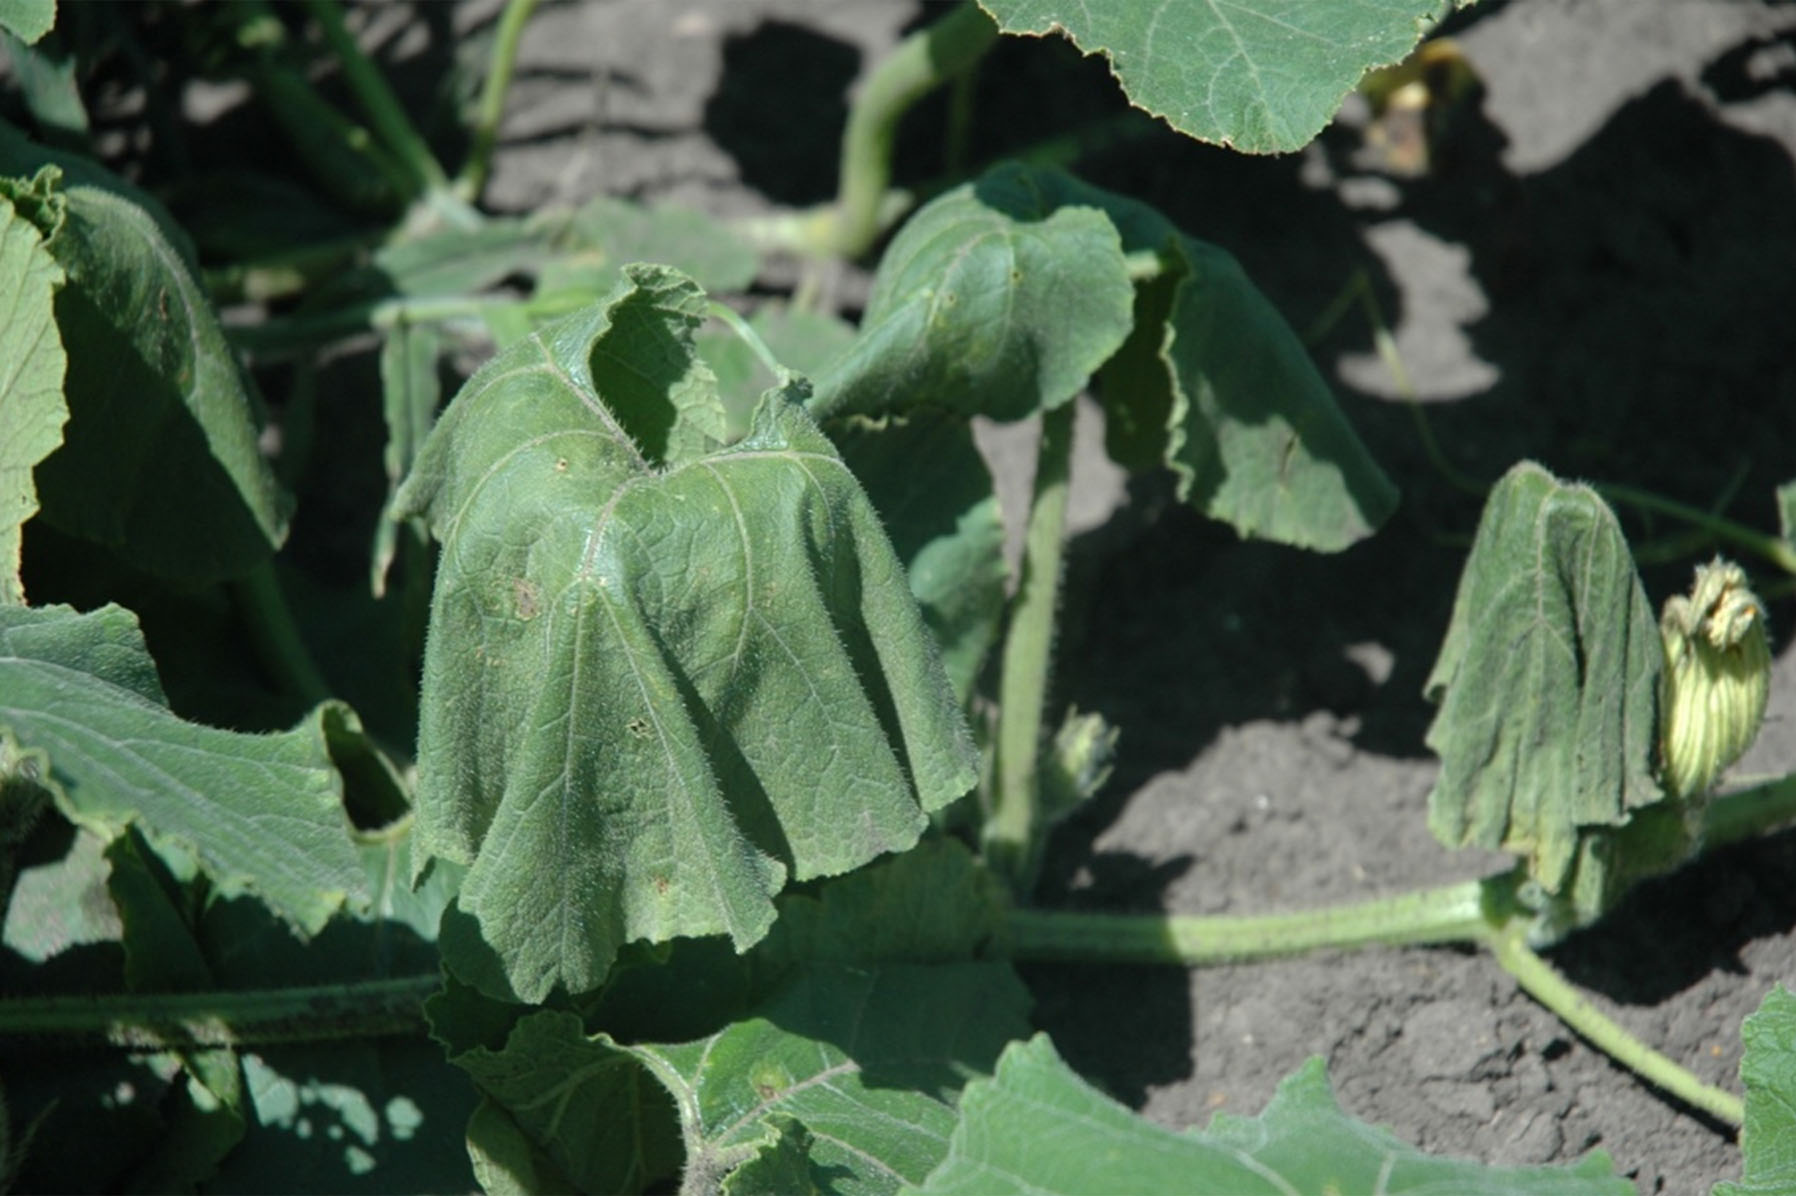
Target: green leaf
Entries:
(935, 493)
(1262, 76)
(869, 1062)
(31, 370)
(159, 459)
(1786, 511)
(409, 394)
(27, 20)
(1037, 1128)
(992, 300)
(804, 341)
(1768, 1070)
(261, 812)
(1547, 683)
(587, 1106)
(651, 694)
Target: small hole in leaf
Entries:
(638, 727)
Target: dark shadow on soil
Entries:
(780, 108)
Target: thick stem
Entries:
(1749, 813)
(1013, 832)
(485, 130)
(382, 107)
(1544, 984)
(1457, 913)
(921, 62)
(162, 1021)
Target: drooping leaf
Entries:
(27, 20)
(1768, 1070)
(261, 812)
(652, 692)
(937, 498)
(1547, 683)
(1262, 76)
(994, 299)
(869, 1062)
(1036, 1127)
(409, 395)
(159, 459)
(31, 370)
(45, 77)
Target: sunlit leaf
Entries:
(1259, 75)
(662, 676)
(1768, 1070)
(27, 20)
(1037, 1128)
(31, 371)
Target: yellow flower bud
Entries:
(1717, 673)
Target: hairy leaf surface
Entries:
(31, 370)
(1768, 1070)
(1036, 1127)
(159, 460)
(1547, 683)
(261, 812)
(1262, 76)
(992, 300)
(662, 676)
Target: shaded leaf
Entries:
(994, 299)
(1547, 683)
(1263, 75)
(606, 233)
(1768, 1070)
(1786, 511)
(159, 460)
(1037, 1128)
(652, 694)
(261, 812)
(31, 372)
(409, 395)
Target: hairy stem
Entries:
(1540, 981)
(1456, 913)
(485, 129)
(278, 643)
(921, 62)
(1749, 812)
(162, 1021)
(1013, 831)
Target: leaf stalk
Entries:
(491, 107)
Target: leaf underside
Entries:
(663, 676)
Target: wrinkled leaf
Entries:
(1037, 1128)
(261, 812)
(27, 20)
(31, 370)
(1768, 1070)
(1262, 75)
(992, 300)
(159, 460)
(1547, 683)
(655, 691)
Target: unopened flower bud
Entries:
(1717, 674)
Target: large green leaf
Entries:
(261, 812)
(1547, 683)
(1259, 75)
(992, 300)
(31, 370)
(662, 676)
(159, 459)
(1037, 1128)
(1768, 1069)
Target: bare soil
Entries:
(1597, 272)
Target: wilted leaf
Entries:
(658, 682)
(1547, 684)
(1037, 1128)
(159, 460)
(31, 370)
(1768, 1070)
(992, 300)
(1262, 75)
(261, 812)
